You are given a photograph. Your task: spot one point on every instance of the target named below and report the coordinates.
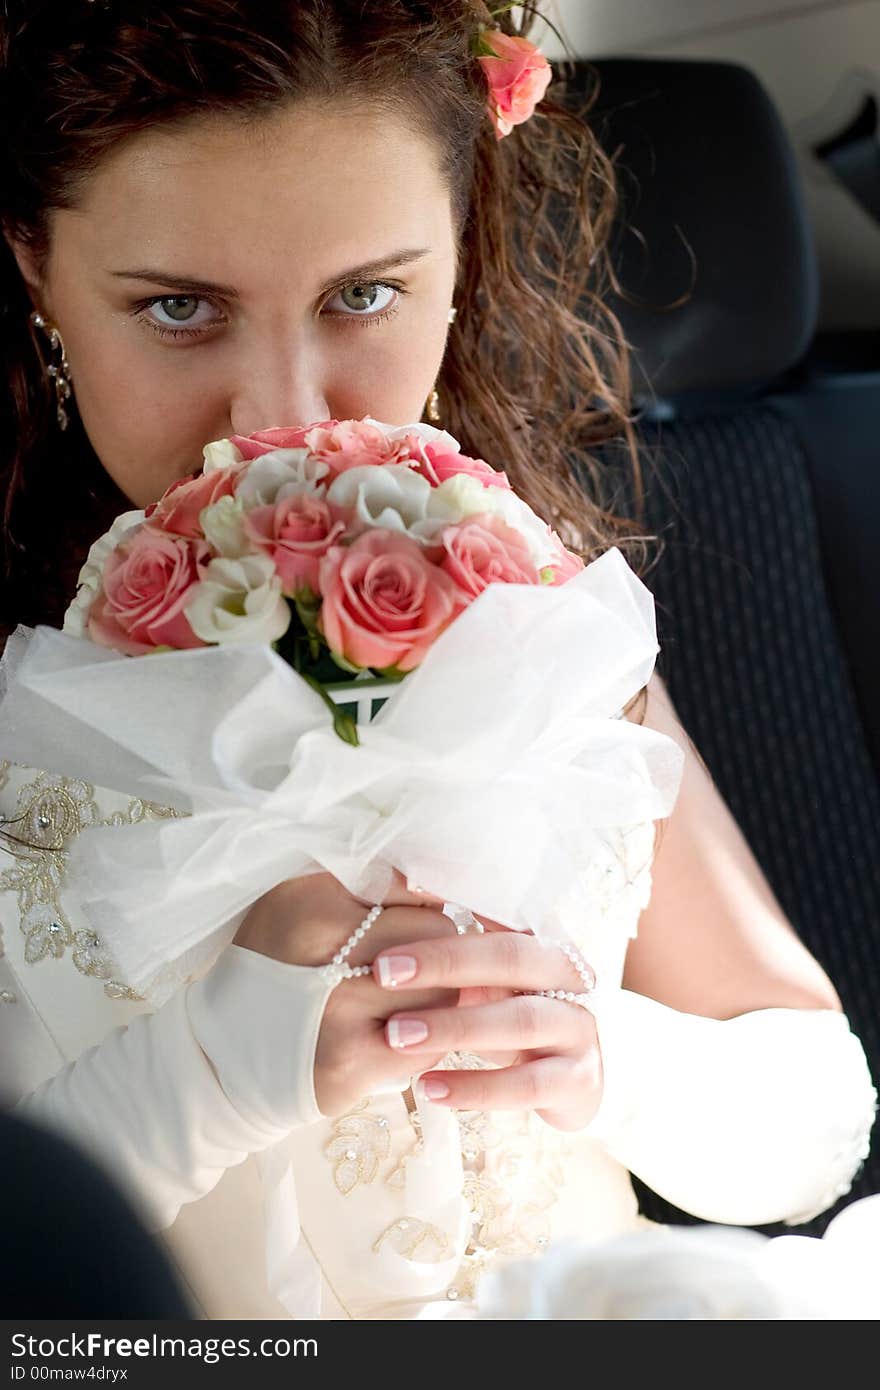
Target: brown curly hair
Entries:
(535, 377)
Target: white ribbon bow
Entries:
(487, 778)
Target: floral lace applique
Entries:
(415, 1240)
(50, 813)
(514, 1168)
(360, 1142)
(511, 1198)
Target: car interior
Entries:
(757, 378)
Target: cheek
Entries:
(387, 371)
(146, 418)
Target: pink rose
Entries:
(251, 446)
(484, 550)
(296, 534)
(354, 444)
(518, 78)
(146, 584)
(179, 508)
(440, 464)
(384, 602)
(564, 564)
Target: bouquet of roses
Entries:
(345, 564)
(348, 545)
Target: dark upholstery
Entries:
(754, 665)
(766, 492)
(712, 211)
(836, 414)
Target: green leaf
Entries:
(344, 725)
(483, 49)
(346, 728)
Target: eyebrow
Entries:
(192, 282)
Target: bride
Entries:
(204, 207)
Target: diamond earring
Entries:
(59, 371)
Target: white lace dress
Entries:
(391, 1226)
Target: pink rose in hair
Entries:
(484, 550)
(296, 534)
(251, 446)
(354, 444)
(146, 584)
(384, 602)
(518, 78)
(440, 464)
(180, 507)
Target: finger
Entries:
(565, 1091)
(395, 927)
(379, 1070)
(365, 998)
(521, 1025)
(403, 893)
(510, 959)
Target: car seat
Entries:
(763, 484)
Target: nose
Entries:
(281, 386)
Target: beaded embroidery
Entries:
(50, 813)
(415, 1240)
(359, 1144)
(513, 1173)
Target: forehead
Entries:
(333, 183)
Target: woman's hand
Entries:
(304, 922)
(547, 1048)
(461, 989)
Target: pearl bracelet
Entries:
(337, 969)
(588, 979)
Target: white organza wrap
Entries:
(488, 778)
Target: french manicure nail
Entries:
(403, 1032)
(396, 970)
(435, 1090)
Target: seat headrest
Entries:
(712, 210)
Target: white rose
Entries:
(239, 601)
(220, 453)
(426, 434)
(223, 525)
(89, 581)
(388, 495)
(462, 496)
(278, 474)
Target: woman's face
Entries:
(306, 264)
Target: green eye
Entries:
(175, 305)
(360, 296)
